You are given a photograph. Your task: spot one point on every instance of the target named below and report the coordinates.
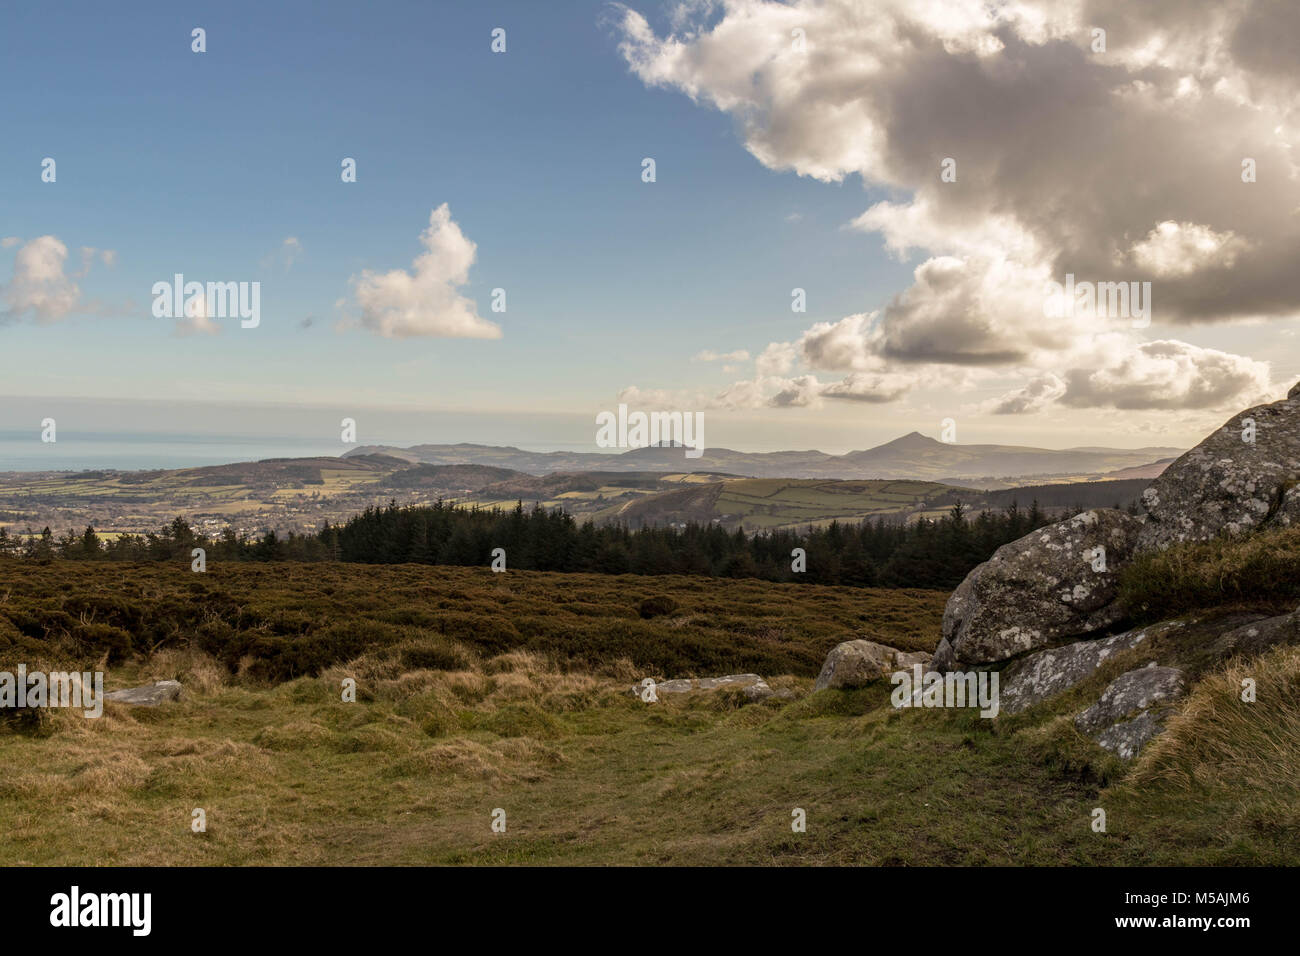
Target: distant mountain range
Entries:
(912, 456)
(910, 477)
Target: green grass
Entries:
(478, 691)
(411, 773)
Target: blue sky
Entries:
(207, 163)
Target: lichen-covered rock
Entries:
(1237, 479)
(858, 663)
(150, 695)
(754, 687)
(1288, 512)
(1131, 692)
(1128, 737)
(1259, 636)
(1132, 709)
(1047, 673)
(1050, 585)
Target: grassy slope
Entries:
(288, 773)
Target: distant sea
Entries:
(136, 452)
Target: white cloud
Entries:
(1182, 248)
(1116, 167)
(797, 393)
(708, 355)
(1034, 396)
(1168, 374)
(871, 387)
(88, 256)
(39, 284)
(426, 300)
(196, 320)
(777, 359)
(286, 254)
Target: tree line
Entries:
(925, 553)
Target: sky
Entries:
(920, 170)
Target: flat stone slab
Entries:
(1128, 737)
(1259, 636)
(1048, 673)
(754, 686)
(1133, 709)
(149, 695)
(1138, 690)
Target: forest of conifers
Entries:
(925, 553)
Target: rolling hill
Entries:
(913, 456)
(909, 476)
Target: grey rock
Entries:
(1259, 636)
(1133, 709)
(1295, 390)
(1226, 484)
(944, 659)
(1039, 589)
(1137, 690)
(1045, 674)
(754, 687)
(150, 695)
(859, 662)
(1288, 512)
(1128, 737)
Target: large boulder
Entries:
(1050, 585)
(1133, 708)
(1228, 484)
(858, 663)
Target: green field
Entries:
(761, 504)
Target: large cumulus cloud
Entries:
(1122, 164)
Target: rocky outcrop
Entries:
(1049, 587)
(1037, 677)
(1239, 478)
(1132, 709)
(1053, 584)
(150, 695)
(858, 663)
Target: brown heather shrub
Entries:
(656, 606)
(271, 623)
(1255, 570)
(199, 673)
